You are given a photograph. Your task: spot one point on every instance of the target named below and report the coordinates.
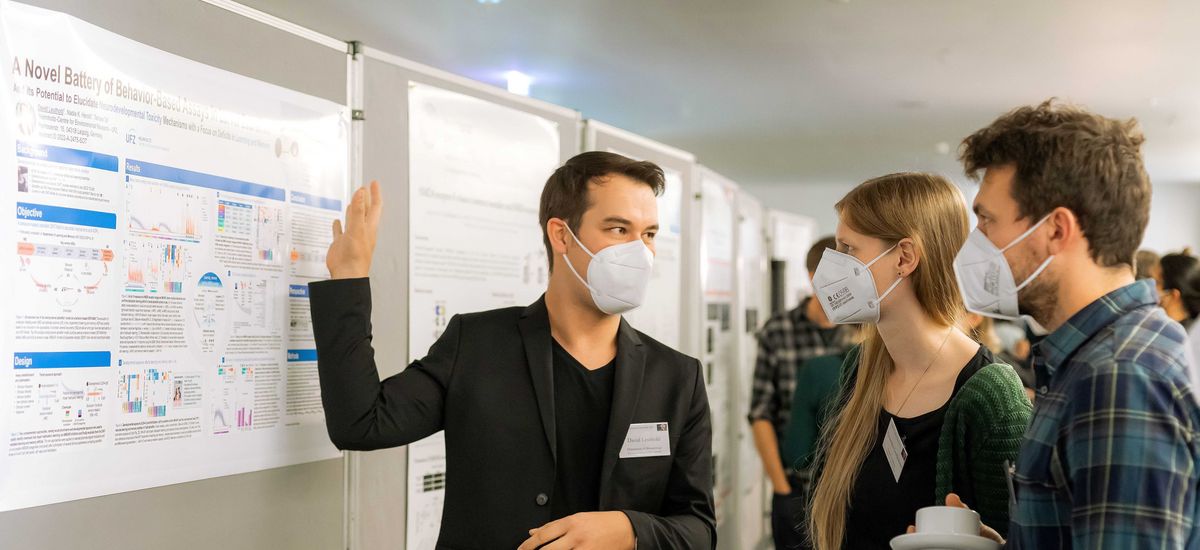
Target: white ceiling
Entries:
(811, 91)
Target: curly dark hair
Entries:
(1068, 157)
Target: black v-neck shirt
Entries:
(882, 508)
(582, 403)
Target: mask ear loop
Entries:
(1040, 268)
(858, 270)
(577, 241)
(885, 253)
(1037, 272)
(874, 303)
(571, 266)
(1027, 233)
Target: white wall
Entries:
(1174, 219)
(813, 200)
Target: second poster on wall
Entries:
(476, 173)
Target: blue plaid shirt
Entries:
(1111, 458)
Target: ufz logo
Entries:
(131, 139)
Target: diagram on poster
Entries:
(168, 217)
(476, 173)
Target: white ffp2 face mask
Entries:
(617, 275)
(985, 278)
(846, 288)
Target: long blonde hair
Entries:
(932, 212)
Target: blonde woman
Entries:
(924, 410)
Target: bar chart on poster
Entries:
(476, 173)
(168, 217)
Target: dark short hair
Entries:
(1068, 157)
(565, 195)
(1182, 272)
(817, 250)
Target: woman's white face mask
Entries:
(846, 288)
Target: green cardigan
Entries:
(982, 429)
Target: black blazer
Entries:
(488, 383)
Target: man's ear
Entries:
(908, 257)
(556, 230)
(1064, 230)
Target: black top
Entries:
(882, 508)
(582, 402)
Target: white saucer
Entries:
(940, 541)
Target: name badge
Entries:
(644, 440)
(893, 449)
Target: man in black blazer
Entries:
(565, 427)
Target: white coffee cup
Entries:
(947, 520)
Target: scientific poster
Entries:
(476, 174)
(164, 220)
(754, 286)
(720, 354)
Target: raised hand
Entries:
(350, 253)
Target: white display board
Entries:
(661, 317)
(476, 173)
(718, 282)
(168, 217)
(791, 236)
(754, 307)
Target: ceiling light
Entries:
(518, 82)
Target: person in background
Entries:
(785, 342)
(1178, 280)
(983, 330)
(1013, 339)
(817, 385)
(1112, 456)
(924, 410)
(1146, 264)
